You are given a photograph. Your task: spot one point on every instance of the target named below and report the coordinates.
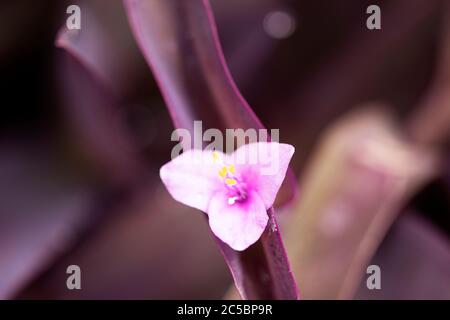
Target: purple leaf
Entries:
(180, 43)
(362, 172)
(414, 259)
(43, 211)
(105, 47)
(91, 104)
(128, 241)
(429, 123)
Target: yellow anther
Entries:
(223, 172)
(215, 156)
(231, 169)
(230, 182)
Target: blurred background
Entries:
(84, 131)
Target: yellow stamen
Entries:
(231, 169)
(215, 156)
(223, 172)
(230, 182)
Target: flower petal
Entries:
(239, 225)
(263, 165)
(193, 178)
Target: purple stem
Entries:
(179, 40)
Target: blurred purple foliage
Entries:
(85, 130)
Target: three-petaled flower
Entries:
(235, 190)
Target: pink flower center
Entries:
(237, 189)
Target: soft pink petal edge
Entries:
(266, 185)
(238, 225)
(192, 178)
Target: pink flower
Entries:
(235, 190)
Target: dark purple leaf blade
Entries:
(139, 235)
(43, 211)
(180, 43)
(418, 244)
(362, 173)
(105, 47)
(91, 110)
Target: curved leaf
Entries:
(180, 43)
(362, 174)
